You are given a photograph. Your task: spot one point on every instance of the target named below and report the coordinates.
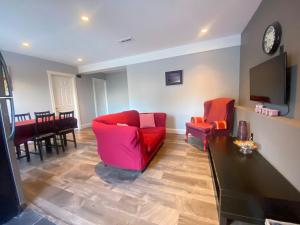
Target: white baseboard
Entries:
(175, 131)
(85, 125)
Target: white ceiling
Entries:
(55, 31)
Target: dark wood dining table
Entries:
(25, 130)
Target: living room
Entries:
(168, 59)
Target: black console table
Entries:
(248, 188)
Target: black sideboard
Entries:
(248, 188)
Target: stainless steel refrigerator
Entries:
(11, 195)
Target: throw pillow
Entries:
(122, 124)
(147, 120)
(220, 125)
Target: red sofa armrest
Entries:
(119, 146)
(120, 134)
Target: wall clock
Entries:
(272, 38)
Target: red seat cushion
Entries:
(152, 130)
(152, 137)
(203, 127)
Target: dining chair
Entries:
(20, 118)
(45, 130)
(41, 113)
(66, 120)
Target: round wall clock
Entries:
(272, 38)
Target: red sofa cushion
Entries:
(148, 130)
(151, 141)
(152, 137)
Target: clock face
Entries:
(272, 37)
(269, 39)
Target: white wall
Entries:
(206, 75)
(86, 97)
(30, 80)
(117, 91)
(278, 140)
(31, 87)
(116, 87)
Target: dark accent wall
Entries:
(287, 13)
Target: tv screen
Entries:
(268, 81)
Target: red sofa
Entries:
(128, 147)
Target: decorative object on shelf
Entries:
(258, 108)
(272, 38)
(246, 147)
(174, 77)
(242, 133)
(266, 111)
(273, 112)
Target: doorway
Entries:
(63, 93)
(100, 97)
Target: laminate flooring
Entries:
(76, 188)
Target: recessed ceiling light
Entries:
(85, 18)
(25, 44)
(79, 60)
(204, 30)
(127, 39)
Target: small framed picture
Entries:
(174, 77)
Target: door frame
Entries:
(94, 91)
(75, 96)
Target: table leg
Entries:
(65, 139)
(27, 151)
(48, 145)
(18, 150)
(223, 220)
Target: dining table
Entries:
(26, 130)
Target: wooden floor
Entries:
(76, 188)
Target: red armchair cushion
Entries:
(147, 120)
(220, 125)
(216, 109)
(197, 119)
(203, 127)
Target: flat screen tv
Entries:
(268, 81)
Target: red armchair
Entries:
(217, 120)
(123, 144)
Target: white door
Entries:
(63, 93)
(100, 96)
